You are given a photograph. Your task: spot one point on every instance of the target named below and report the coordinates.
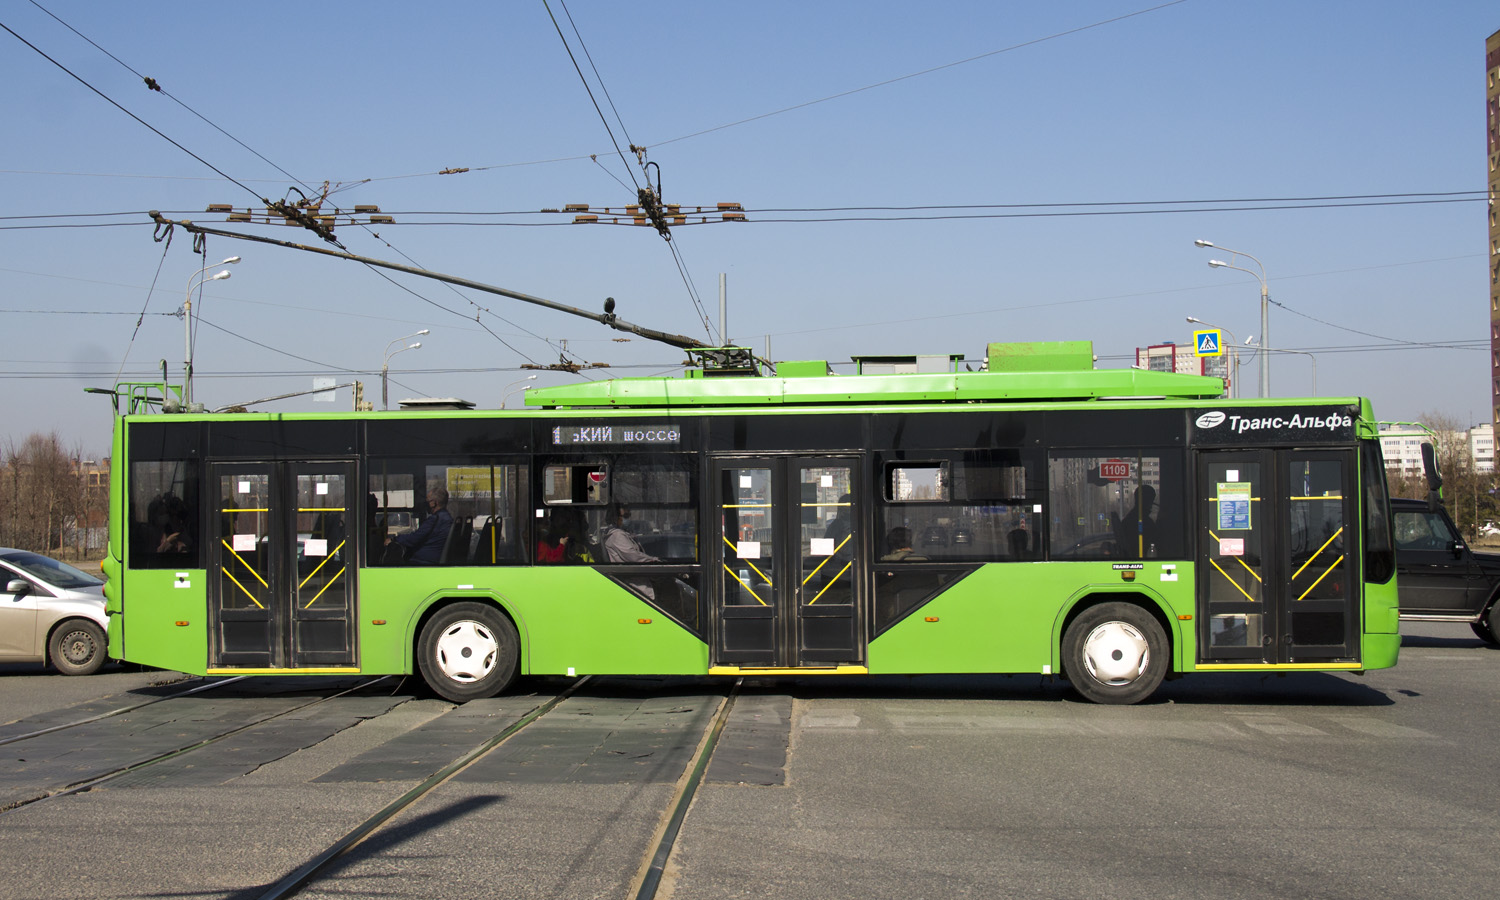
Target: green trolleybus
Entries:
(1112, 527)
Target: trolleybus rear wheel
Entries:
(1115, 653)
(468, 651)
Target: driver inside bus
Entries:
(424, 546)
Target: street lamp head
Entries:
(1196, 320)
(424, 331)
(1217, 264)
(1203, 243)
(230, 261)
(414, 346)
(221, 276)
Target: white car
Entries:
(51, 612)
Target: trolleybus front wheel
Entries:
(1115, 653)
(468, 651)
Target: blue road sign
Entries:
(1209, 342)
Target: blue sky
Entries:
(1202, 100)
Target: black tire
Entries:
(78, 647)
(468, 651)
(1487, 629)
(1115, 653)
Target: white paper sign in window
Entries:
(748, 550)
(821, 547)
(244, 543)
(244, 487)
(322, 488)
(315, 547)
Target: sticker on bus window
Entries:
(748, 550)
(322, 488)
(821, 547)
(244, 543)
(244, 487)
(827, 481)
(315, 547)
(1234, 505)
(1231, 546)
(745, 482)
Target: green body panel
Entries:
(568, 617)
(1379, 651)
(1009, 617)
(1043, 356)
(881, 389)
(150, 634)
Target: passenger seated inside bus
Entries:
(563, 540)
(898, 546)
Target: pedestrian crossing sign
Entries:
(1209, 342)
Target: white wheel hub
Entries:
(466, 652)
(1116, 653)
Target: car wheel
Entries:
(1487, 629)
(1115, 653)
(468, 651)
(78, 647)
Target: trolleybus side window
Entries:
(482, 502)
(164, 515)
(959, 510)
(658, 490)
(1123, 504)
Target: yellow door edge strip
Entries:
(1319, 552)
(736, 577)
(242, 587)
(831, 583)
(1261, 667)
(341, 670)
(788, 670)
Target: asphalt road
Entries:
(1223, 786)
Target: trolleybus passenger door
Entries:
(281, 589)
(787, 553)
(1277, 554)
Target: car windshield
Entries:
(51, 571)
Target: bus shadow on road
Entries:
(1228, 688)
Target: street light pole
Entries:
(505, 395)
(1234, 355)
(385, 366)
(187, 327)
(1305, 353)
(1265, 305)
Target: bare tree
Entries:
(43, 491)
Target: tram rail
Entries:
(53, 729)
(653, 863)
(103, 778)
